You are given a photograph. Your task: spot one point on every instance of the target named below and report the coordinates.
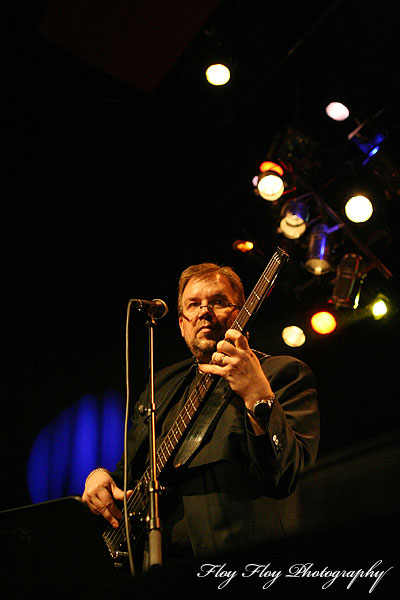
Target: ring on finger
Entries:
(222, 359)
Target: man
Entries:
(227, 493)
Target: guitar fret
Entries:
(166, 442)
(162, 451)
(186, 409)
(174, 434)
(193, 405)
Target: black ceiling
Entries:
(111, 190)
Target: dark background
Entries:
(122, 167)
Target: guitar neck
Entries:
(261, 290)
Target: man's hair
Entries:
(202, 271)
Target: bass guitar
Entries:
(137, 503)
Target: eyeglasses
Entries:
(217, 306)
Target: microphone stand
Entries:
(154, 554)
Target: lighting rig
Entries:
(298, 177)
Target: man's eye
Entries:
(219, 303)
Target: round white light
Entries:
(292, 231)
(218, 74)
(358, 209)
(270, 187)
(293, 336)
(337, 111)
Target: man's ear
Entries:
(181, 326)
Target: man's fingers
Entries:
(107, 514)
(239, 340)
(119, 494)
(111, 511)
(212, 369)
(102, 503)
(230, 349)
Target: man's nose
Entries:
(205, 309)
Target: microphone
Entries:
(157, 308)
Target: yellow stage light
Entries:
(358, 209)
(293, 336)
(380, 307)
(295, 216)
(269, 182)
(270, 186)
(218, 74)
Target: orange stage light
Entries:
(243, 245)
(323, 322)
(267, 165)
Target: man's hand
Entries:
(99, 494)
(240, 367)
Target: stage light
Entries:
(293, 336)
(323, 322)
(218, 74)
(358, 209)
(379, 307)
(269, 183)
(270, 186)
(317, 261)
(367, 139)
(268, 165)
(337, 111)
(348, 281)
(243, 245)
(296, 214)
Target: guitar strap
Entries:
(207, 417)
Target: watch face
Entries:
(262, 411)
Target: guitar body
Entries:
(115, 539)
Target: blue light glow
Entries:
(374, 151)
(370, 154)
(369, 147)
(84, 436)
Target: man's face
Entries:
(206, 327)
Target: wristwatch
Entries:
(262, 408)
